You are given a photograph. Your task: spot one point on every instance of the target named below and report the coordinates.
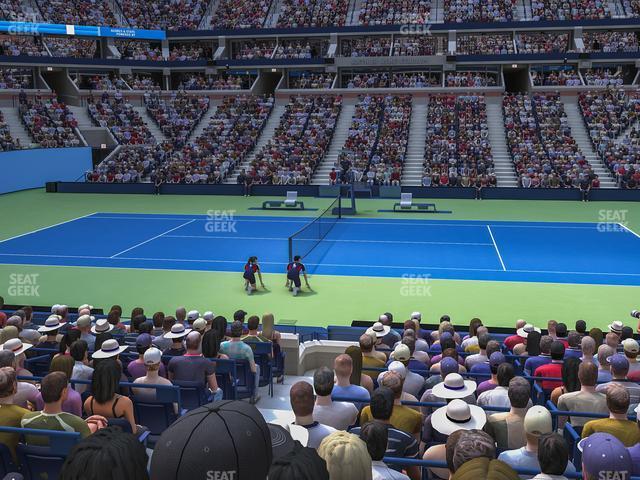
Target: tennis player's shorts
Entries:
(250, 277)
(296, 281)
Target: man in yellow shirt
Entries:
(403, 418)
(10, 414)
(617, 424)
(369, 357)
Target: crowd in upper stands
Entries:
(569, 9)
(299, 143)
(190, 51)
(395, 12)
(541, 146)
(597, 41)
(391, 80)
(461, 11)
(77, 12)
(471, 79)
(311, 80)
(7, 142)
(49, 122)
(603, 77)
(233, 14)
(417, 45)
(312, 13)
(301, 49)
(141, 81)
(156, 15)
(100, 82)
(365, 47)
(71, 47)
(251, 49)
(220, 81)
(565, 77)
(457, 150)
(139, 50)
(15, 45)
(16, 78)
(484, 44)
(474, 403)
(542, 42)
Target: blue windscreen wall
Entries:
(23, 169)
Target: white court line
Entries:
(629, 230)
(496, 247)
(213, 237)
(242, 261)
(388, 222)
(153, 238)
(46, 228)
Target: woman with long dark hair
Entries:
(251, 268)
(570, 381)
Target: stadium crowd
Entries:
(124, 122)
(412, 45)
(492, 405)
(220, 81)
(569, 10)
(391, 80)
(312, 13)
(564, 77)
(541, 146)
(299, 143)
(139, 50)
(457, 151)
(395, 12)
(176, 115)
(608, 116)
(157, 15)
(365, 47)
(71, 47)
(461, 11)
(595, 41)
(232, 14)
(306, 49)
(542, 42)
(16, 78)
(190, 51)
(311, 80)
(49, 122)
(484, 44)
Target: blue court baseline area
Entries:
(582, 253)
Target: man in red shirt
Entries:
(514, 340)
(553, 369)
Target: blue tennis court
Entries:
(581, 253)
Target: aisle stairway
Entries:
(413, 164)
(321, 175)
(151, 124)
(505, 172)
(16, 127)
(581, 135)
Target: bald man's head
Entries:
(192, 341)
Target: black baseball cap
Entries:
(239, 315)
(301, 463)
(223, 438)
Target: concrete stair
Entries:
(437, 12)
(151, 124)
(202, 125)
(353, 14)
(16, 127)
(581, 135)
(340, 134)
(81, 114)
(504, 170)
(414, 162)
(267, 132)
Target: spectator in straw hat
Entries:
(49, 330)
(401, 444)
(455, 416)
(176, 335)
(393, 337)
(18, 348)
(453, 386)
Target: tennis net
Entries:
(308, 237)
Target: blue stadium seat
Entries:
(193, 394)
(158, 414)
(262, 355)
(226, 375)
(39, 365)
(245, 380)
(6, 461)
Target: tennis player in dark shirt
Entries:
(251, 268)
(294, 270)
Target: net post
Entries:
(340, 204)
(290, 249)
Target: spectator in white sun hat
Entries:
(176, 335)
(110, 349)
(50, 336)
(377, 332)
(393, 337)
(102, 326)
(616, 327)
(85, 306)
(457, 415)
(84, 325)
(18, 348)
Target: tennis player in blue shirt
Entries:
(249, 275)
(294, 269)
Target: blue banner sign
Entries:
(30, 28)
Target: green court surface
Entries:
(335, 299)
